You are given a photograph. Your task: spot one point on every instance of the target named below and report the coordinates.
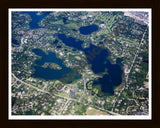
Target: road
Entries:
(136, 54)
(84, 88)
(68, 99)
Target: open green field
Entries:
(93, 111)
(71, 26)
(60, 22)
(127, 41)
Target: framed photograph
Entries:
(80, 63)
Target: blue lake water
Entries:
(86, 30)
(48, 73)
(59, 46)
(65, 20)
(14, 41)
(74, 50)
(74, 30)
(36, 18)
(99, 63)
(70, 41)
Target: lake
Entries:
(48, 73)
(99, 64)
(70, 41)
(14, 41)
(36, 18)
(86, 30)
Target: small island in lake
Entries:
(52, 66)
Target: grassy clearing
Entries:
(93, 111)
(127, 41)
(71, 26)
(60, 22)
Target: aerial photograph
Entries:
(79, 63)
